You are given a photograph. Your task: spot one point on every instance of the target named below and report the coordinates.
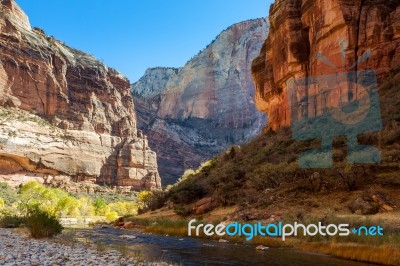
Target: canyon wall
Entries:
(310, 38)
(193, 113)
(64, 112)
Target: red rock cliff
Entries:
(65, 112)
(300, 29)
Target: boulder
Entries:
(204, 205)
(128, 225)
(361, 206)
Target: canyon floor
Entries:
(16, 249)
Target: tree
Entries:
(144, 198)
(100, 206)
(34, 194)
(86, 208)
(67, 206)
(1, 203)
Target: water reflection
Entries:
(194, 251)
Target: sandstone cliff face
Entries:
(301, 29)
(146, 94)
(64, 112)
(153, 82)
(195, 112)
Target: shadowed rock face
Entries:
(299, 29)
(65, 112)
(199, 110)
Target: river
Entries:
(195, 251)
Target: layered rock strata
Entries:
(64, 112)
(192, 113)
(311, 38)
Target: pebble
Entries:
(262, 248)
(18, 250)
(127, 236)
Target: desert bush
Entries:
(272, 175)
(225, 194)
(42, 224)
(8, 194)
(186, 174)
(154, 200)
(182, 210)
(230, 154)
(187, 192)
(159, 200)
(350, 176)
(11, 220)
(144, 198)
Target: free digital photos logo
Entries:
(249, 231)
(345, 103)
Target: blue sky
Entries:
(132, 35)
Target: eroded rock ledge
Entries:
(64, 112)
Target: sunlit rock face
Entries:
(192, 113)
(300, 29)
(64, 112)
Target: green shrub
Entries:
(11, 221)
(158, 200)
(187, 192)
(182, 210)
(100, 206)
(42, 224)
(150, 200)
(8, 194)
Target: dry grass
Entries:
(23, 231)
(385, 254)
(172, 231)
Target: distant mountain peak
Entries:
(194, 112)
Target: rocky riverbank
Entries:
(16, 249)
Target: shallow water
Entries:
(194, 251)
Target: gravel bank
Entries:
(18, 250)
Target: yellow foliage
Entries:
(144, 198)
(86, 208)
(112, 216)
(123, 208)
